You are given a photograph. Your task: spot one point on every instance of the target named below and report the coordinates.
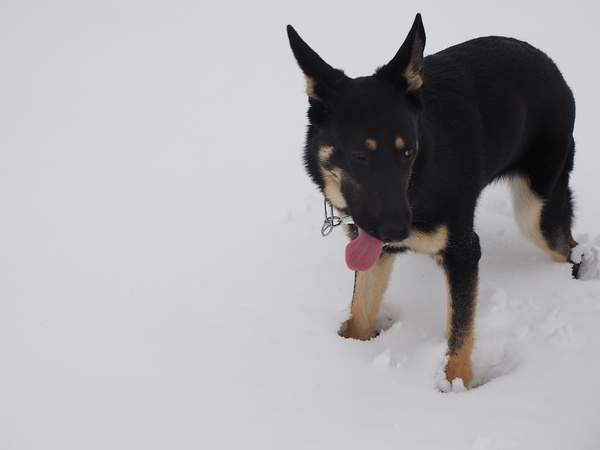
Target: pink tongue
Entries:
(363, 252)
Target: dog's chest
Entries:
(430, 243)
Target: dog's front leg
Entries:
(461, 266)
(369, 287)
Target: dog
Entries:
(407, 151)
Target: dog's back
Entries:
(498, 95)
(498, 107)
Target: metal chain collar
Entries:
(331, 220)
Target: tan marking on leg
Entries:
(428, 243)
(459, 361)
(528, 210)
(399, 143)
(558, 257)
(371, 144)
(369, 288)
(528, 214)
(459, 364)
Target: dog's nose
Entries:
(389, 234)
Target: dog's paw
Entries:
(351, 329)
(587, 262)
(456, 385)
(447, 383)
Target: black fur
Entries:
(486, 109)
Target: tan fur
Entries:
(369, 288)
(558, 257)
(332, 178)
(413, 78)
(333, 188)
(412, 73)
(428, 243)
(399, 143)
(325, 152)
(310, 88)
(528, 214)
(459, 363)
(371, 144)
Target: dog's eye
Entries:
(408, 152)
(360, 156)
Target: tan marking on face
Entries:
(369, 288)
(325, 152)
(371, 144)
(399, 143)
(310, 88)
(333, 187)
(427, 243)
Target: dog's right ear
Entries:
(321, 78)
(405, 70)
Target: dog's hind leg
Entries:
(369, 288)
(543, 207)
(461, 266)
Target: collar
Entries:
(331, 220)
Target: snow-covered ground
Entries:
(163, 282)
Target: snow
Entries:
(164, 283)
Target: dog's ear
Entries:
(406, 68)
(320, 76)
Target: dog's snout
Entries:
(393, 233)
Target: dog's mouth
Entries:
(363, 252)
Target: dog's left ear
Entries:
(321, 78)
(406, 68)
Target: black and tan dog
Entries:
(407, 151)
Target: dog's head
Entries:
(363, 135)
